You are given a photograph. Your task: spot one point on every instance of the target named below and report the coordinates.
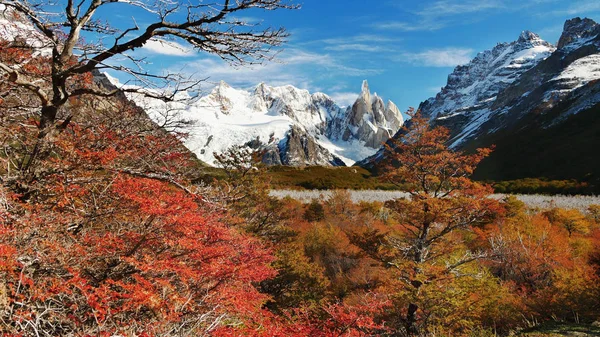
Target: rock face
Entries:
(466, 101)
(499, 87)
(525, 95)
(290, 125)
(369, 120)
(577, 31)
(299, 149)
(13, 26)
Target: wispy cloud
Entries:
(423, 25)
(344, 98)
(294, 66)
(167, 48)
(366, 43)
(452, 7)
(356, 47)
(440, 14)
(360, 38)
(446, 57)
(326, 61)
(584, 7)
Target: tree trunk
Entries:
(47, 119)
(411, 320)
(418, 258)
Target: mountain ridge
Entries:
(548, 96)
(291, 126)
(467, 100)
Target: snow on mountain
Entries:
(578, 32)
(292, 126)
(500, 86)
(525, 84)
(13, 27)
(580, 72)
(472, 88)
(368, 120)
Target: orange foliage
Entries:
(444, 206)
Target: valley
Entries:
(173, 169)
(528, 91)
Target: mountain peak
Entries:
(365, 87)
(472, 88)
(221, 87)
(527, 36)
(365, 93)
(576, 29)
(580, 24)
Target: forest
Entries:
(110, 227)
(107, 235)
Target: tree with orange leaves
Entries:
(428, 253)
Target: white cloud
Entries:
(167, 48)
(356, 47)
(453, 7)
(446, 57)
(409, 27)
(361, 38)
(304, 58)
(434, 90)
(344, 99)
(296, 67)
(440, 14)
(580, 8)
(367, 43)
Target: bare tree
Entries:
(208, 26)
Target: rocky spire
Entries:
(576, 29)
(527, 35)
(393, 116)
(369, 119)
(219, 95)
(365, 92)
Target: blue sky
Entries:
(404, 48)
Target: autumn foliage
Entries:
(108, 232)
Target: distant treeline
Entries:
(544, 186)
(358, 178)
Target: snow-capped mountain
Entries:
(538, 104)
(499, 87)
(369, 120)
(292, 126)
(467, 99)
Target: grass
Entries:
(310, 178)
(325, 178)
(580, 202)
(358, 178)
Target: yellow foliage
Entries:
(572, 220)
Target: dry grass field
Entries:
(580, 202)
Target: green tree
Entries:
(314, 212)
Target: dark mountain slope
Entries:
(568, 150)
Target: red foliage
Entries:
(98, 250)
